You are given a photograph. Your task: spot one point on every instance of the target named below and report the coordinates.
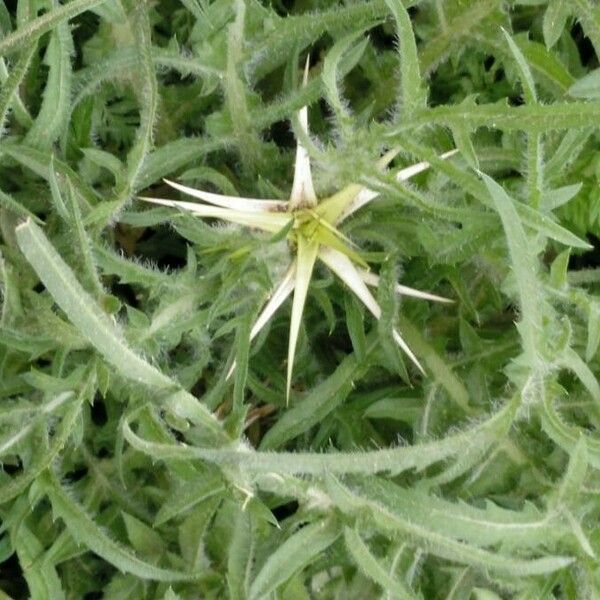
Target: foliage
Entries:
(133, 467)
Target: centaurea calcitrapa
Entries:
(313, 234)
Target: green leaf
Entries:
(534, 118)
(45, 456)
(42, 579)
(555, 19)
(82, 310)
(10, 87)
(331, 76)
(487, 525)
(185, 496)
(393, 460)
(593, 331)
(559, 270)
(590, 21)
(87, 533)
(9, 203)
(28, 33)
(436, 365)
(387, 519)
(524, 267)
(571, 360)
(51, 121)
(526, 77)
(413, 95)
(456, 30)
(462, 140)
(573, 480)
(292, 556)
(321, 401)
(142, 537)
(530, 216)
(370, 566)
(587, 87)
(356, 328)
(241, 557)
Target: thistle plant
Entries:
(312, 229)
(132, 468)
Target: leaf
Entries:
(321, 400)
(555, 19)
(330, 74)
(184, 497)
(142, 537)
(42, 579)
(462, 141)
(393, 460)
(292, 556)
(531, 217)
(241, 557)
(566, 436)
(387, 519)
(588, 17)
(105, 160)
(274, 47)
(525, 74)
(572, 361)
(587, 87)
(436, 365)
(552, 199)
(529, 117)
(524, 267)
(11, 86)
(82, 310)
(28, 33)
(9, 203)
(559, 270)
(413, 95)
(457, 30)
(86, 532)
(593, 331)
(51, 121)
(45, 456)
(370, 566)
(355, 324)
(574, 477)
(487, 525)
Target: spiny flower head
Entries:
(313, 231)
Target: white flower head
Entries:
(313, 234)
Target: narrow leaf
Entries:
(555, 19)
(89, 534)
(31, 31)
(413, 96)
(370, 566)
(293, 555)
(82, 310)
(524, 266)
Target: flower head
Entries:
(313, 233)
